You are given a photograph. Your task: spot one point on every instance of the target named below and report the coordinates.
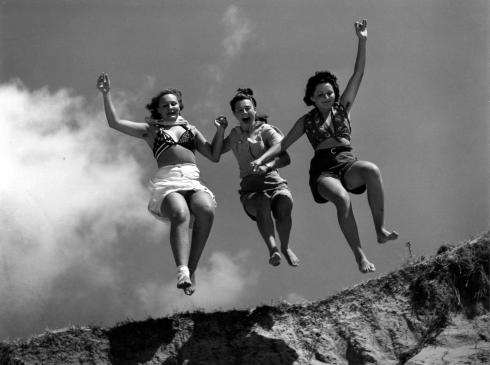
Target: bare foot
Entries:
(290, 256)
(191, 289)
(365, 266)
(385, 236)
(275, 259)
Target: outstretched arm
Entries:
(292, 136)
(277, 162)
(125, 126)
(350, 92)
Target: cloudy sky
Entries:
(77, 245)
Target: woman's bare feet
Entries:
(290, 256)
(275, 259)
(192, 288)
(384, 236)
(365, 266)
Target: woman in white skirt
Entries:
(176, 191)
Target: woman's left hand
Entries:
(361, 29)
(221, 121)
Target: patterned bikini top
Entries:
(317, 129)
(164, 140)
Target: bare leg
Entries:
(365, 172)
(259, 206)
(281, 210)
(331, 188)
(175, 208)
(202, 207)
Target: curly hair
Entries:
(320, 77)
(155, 102)
(247, 94)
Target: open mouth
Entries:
(246, 119)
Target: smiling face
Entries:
(169, 107)
(245, 112)
(324, 96)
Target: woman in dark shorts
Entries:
(264, 194)
(335, 171)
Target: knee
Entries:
(371, 172)
(204, 210)
(262, 208)
(282, 208)
(179, 216)
(341, 201)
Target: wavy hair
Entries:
(320, 77)
(155, 102)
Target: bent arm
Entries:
(350, 92)
(134, 129)
(213, 150)
(128, 127)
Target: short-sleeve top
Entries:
(246, 149)
(318, 131)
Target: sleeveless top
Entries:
(318, 131)
(164, 140)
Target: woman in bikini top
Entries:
(173, 142)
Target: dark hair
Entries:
(155, 102)
(247, 94)
(320, 77)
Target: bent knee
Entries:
(341, 200)
(178, 216)
(369, 170)
(282, 207)
(204, 209)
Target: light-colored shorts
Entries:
(174, 178)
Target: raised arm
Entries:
(292, 136)
(134, 129)
(350, 92)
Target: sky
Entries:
(77, 245)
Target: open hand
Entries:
(361, 29)
(221, 121)
(103, 83)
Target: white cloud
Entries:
(77, 243)
(239, 29)
(220, 283)
(66, 190)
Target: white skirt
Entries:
(169, 179)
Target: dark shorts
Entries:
(332, 162)
(271, 185)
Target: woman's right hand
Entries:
(103, 83)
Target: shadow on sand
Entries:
(199, 338)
